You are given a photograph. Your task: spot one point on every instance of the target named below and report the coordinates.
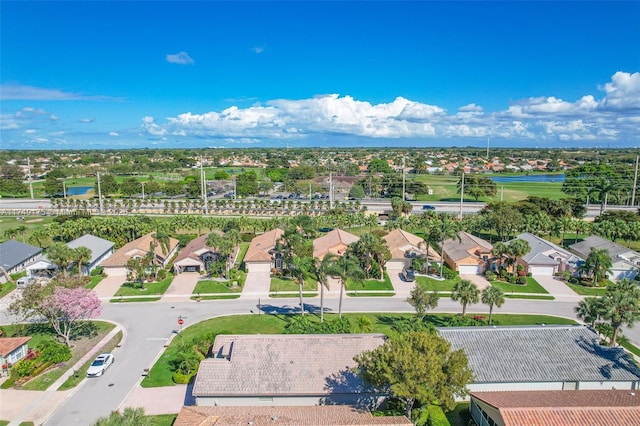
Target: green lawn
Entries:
(154, 288)
(529, 296)
(210, 286)
(288, 284)
(160, 374)
(631, 348)
(162, 419)
(587, 291)
(95, 279)
(371, 284)
(430, 284)
(242, 252)
(6, 288)
(532, 286)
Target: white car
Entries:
(100, 364)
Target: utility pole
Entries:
(99, 195)
(488, 137)
(403, 178)
(330, 190)
(635, 183)
(142, 183)
(461, 195)
(30, 178)
(501, 193)
(64, 189)
(204, 187)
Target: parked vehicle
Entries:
(408, 275)
(428, 207)
(100, 365)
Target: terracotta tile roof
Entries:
(334, 242)
(399, 242)
(139, 247)
(330, 415)
(10, 344)
(260, 246)
(466, 246)
(565, 407)
(283, 364)
(195, 245)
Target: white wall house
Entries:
(625, 262)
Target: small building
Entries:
(197, 256)
(286, 370)
(333, 242)
(261, 256)
(12, 350)
(546, 258)
(556, 408)
(330, 415)
(404, 246)
(115, 265)
(15, 256)
(624, 261)
(468, 254)
(101, 250)
(542, 358)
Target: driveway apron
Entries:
(480, 281)
(181, 288)
(257, 284)
(109, 286)
(556, 287)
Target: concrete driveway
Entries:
(401, 288)
(257, 285)
(556, 287)
(181, 287)
(109, 286)
(479, 280)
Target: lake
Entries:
(528, 178)
(78, 190)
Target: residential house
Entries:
(468, 254)
(101, 250)
(556, 408)
(542, 358)
(624, 261)
(12, 350)
(405, 246)
(15, 256)
(546, 258)
(329, 415)
(261, 255)
(141, 247)
(333, 242)
(196, 256)
(285, 370)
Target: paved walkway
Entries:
(36, 406)
(163, 400)
(257, 284)
(109, 286)
(181, 287)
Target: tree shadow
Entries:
(615, 358)
(346, 387)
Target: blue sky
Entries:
(247, 74)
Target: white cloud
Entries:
(53, 117)
(30, 131)
(623, 92)
(24, 92)
(258, 49)
(181, 58)
(470, 108)
(114, 134)
(86, 120)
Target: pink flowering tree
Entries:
(66, 308)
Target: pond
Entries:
(529, 178)
(78, 190)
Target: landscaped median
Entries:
(147, 292)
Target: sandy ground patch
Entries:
(34, 220)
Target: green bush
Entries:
(97, 271)
(491, 276)
(24, 368)
(522, 280)
(162, 274)
(54, 352)
(437, 416)
(181, 379)
(449, 274)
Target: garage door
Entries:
(470, 269)
(541, 270)
(115, 272)
(259, 267)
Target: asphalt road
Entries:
(149, 325)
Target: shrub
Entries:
(54, 352)
(181, 379)
(97, 271)
(522, 280)
(460, 321)
(491, 276)
(24, 368)
(162, 274)
(449, 274)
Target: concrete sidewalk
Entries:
(36, 406)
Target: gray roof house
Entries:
(285, 370)
(100, 248)
(542, 358)
(546, 258)
(624, 261)
(15, 256)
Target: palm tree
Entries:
(130, 416)
(448, 229)
(620, 305)
(344, 268)
(588, 310)
(499, 250)
(466, 292)
(597, 264)
(301, 267)
(82, 255)
(492, 296)
(517, 249)
(62, 255)
(320, 272)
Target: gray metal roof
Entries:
(13, 253)
(617, 253)
(539, 247)
(97, 245)
(283, 365)
(540, 354)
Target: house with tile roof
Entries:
(286, 370)
(15, 256)
(196, 256)
(329, 415)
(542, 358)
(260, 256)
(101, 250)
(468, 254)
(624, 261)
(404, 246)
(333, 242)
(546, 258)
(141, 247)
(556, 408)
(13, 349)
